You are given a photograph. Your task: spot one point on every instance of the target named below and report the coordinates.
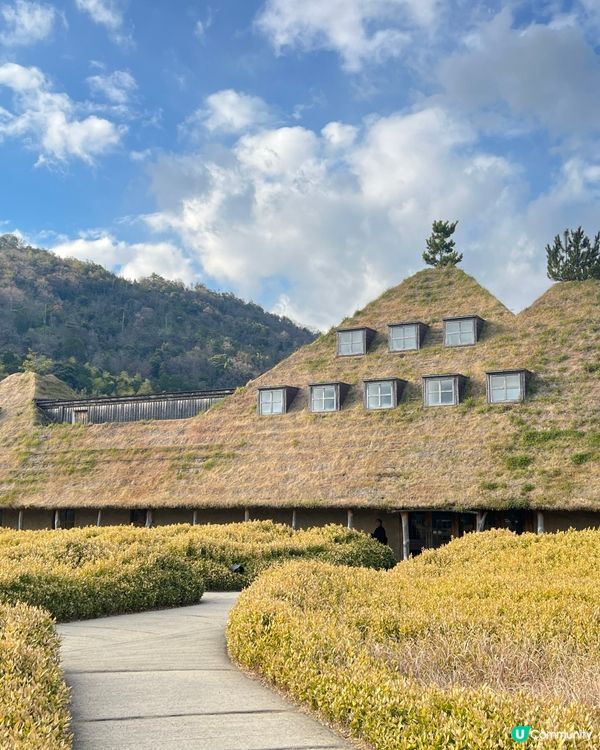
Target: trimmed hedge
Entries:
(34, 700)
(449, 650)
(71, 563)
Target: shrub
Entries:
(69, 562)
(33, 697)
(450, 649)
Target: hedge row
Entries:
(449, 650)
(33, 697)
(138, 568)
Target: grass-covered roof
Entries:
(544, 453)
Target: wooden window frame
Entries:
(289, 394)
(421, 333)
(477, 323)
(368, 334)
(524, 376)
(459, 382)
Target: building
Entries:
(435, 408)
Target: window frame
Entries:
(366, 336)
(457, 389)
(523, 376)
(340, 391)
(476, 323)
(420, 329)
(289, 394)
(396, 388)
(271, 391)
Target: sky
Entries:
(296, 153)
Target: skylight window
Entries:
(275, 399)
(442, 390)
(404, 337)
(272, 401)
(462, 331)
(507, 387)
(380, 395)
(354, 341)
(327, 397)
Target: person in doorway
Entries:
(379, 532)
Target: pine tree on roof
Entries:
(574, 257)
(440, 247)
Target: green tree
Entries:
(34, 362)
(574, 257)
(440, 245)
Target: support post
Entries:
(99, 517)
(195, 518)
(246, 514)
(350, 519)
(294, 520)
(480, 520)
(405, 536)
(148, 518)
(56, 523)
(540, 522)
(20, 521)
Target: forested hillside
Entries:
(104, 335)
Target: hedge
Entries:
(449, 650)
(33, 697)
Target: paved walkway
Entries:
(162, 681)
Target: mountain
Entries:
(104, 335)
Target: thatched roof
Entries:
(544, 453)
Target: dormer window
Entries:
(382, 394)
(326, 397)
(404, 337)
(442, 390)
(275, 400)
(507, 386)
(462, 331)
(354, 341)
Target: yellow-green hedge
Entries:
(449, 650)
(33, 697)
(211, 548)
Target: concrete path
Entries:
(162, 681)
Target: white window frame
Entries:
(320, 396)
(433, 386)
(378, 395)
(467, 332)
(498, 384)
(266, 402)
(393, 329)
(356, 344)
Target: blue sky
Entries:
(296, 153)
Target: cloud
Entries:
(117, 87)
(543, 75)
(48, 122)
(107, 13)
(228, 111)
(359, 31)
(132, 261)
(24, 23)
(336, 226)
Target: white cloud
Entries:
(359, 31)
(339, 134)
(107, 13)
(48, 122)
(542, 75)
(117, 87)
(24, 23)
(104, 12)
(132, 261)
(229, 111)
(341, 225)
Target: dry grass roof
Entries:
(544, 453)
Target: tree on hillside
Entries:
(574, 257)
(440, 245)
